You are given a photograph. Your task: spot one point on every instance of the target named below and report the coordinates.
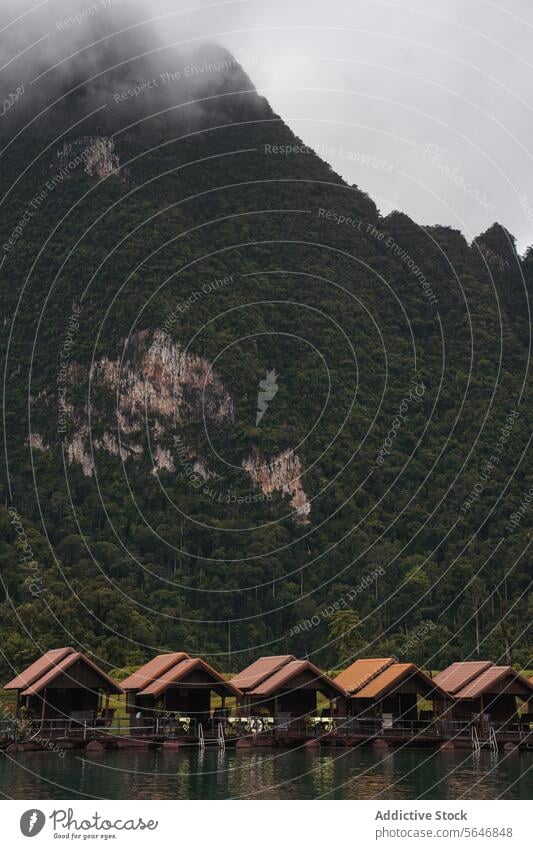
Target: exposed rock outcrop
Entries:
(96, 154)
(160, 386)
(164, 380)
(37, 441)
(155, 383)
(77, 452)
(79, 449)
(162, 460)
(283, 472)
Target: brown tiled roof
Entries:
(287, 672)
(152, 670)
(180, 670)
(361, 672)
(458, 675)
(64, 664)
(489, 678)
(392, 677)
(260, 669)
(37, 668)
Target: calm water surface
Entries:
(270, 774)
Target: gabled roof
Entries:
(394, 675)
(37, 668)
(487, 680)
(154, 677)
(43, 672)
(458, 675)
(361, 672)
(284, 675)
(144, 676)
(259, 670)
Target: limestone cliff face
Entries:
(78, 452)
(37, 441)
(282, 472)
(96, 154)
(164, 381)
(162, 459)
(79, 449)
(155, 387)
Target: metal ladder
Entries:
(220, 737)
(493, 741)
(476, 745)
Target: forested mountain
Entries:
(244, 413)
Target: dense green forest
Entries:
(401, 355)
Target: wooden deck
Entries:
(244, 733)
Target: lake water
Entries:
(269, 774)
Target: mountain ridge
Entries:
(130, 241)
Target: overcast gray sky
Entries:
(366, 78)
(425, 104)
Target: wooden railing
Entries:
(375, 727)
(164, 727)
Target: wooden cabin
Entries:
(286, 688)
(64, 684)
(175, 683)
(483, 691)
(383, 689)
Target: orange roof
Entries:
(65, 662)
(489, 678)
(361, 672)
(392, 677)
(259, 670)
(180, 670)
(287, 672)
(37, 668)
(152, 670)
(458, 675)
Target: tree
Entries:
(344, 630)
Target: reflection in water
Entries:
(268, 774)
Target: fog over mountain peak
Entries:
(115, 65)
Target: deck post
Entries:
(42, 709)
